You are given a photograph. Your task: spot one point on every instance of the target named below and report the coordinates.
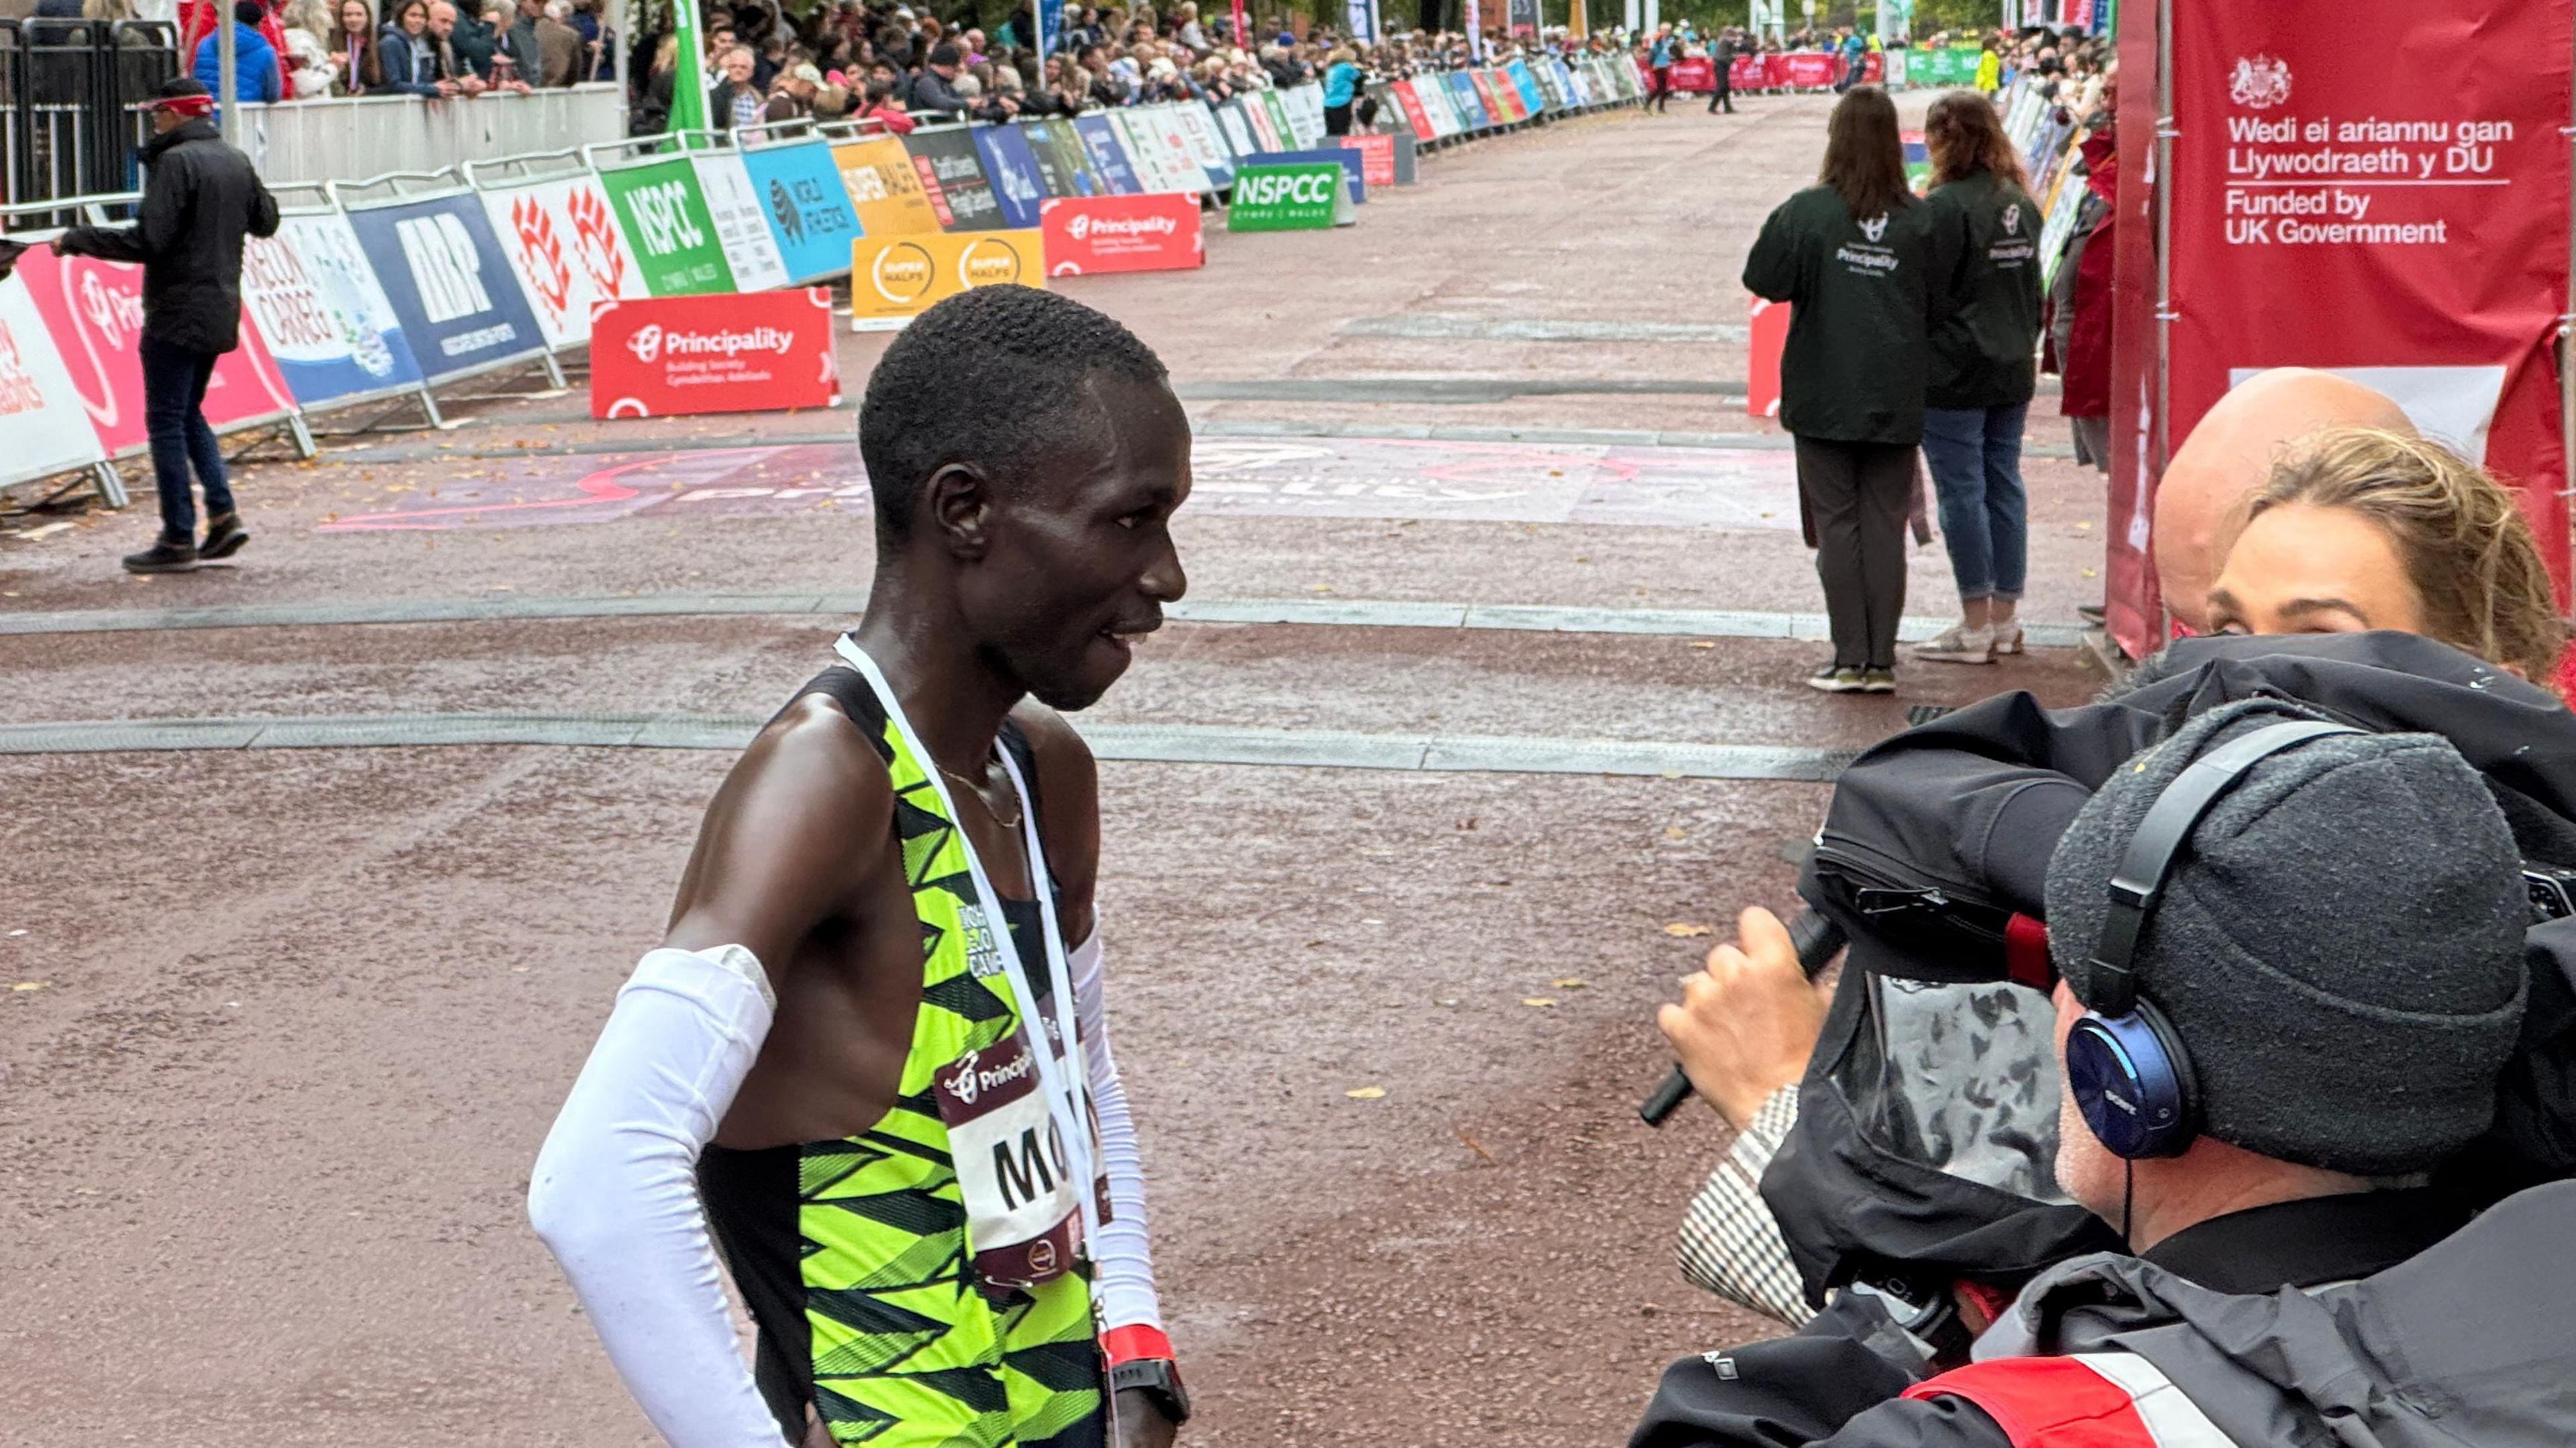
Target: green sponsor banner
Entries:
(1294, 197)
(669, 228)
(1278, 110)
(1949, 66)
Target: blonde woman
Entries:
(2360, 528)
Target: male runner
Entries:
(906, 1178)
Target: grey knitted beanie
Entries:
(2340, 947)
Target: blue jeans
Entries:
(1975, 457)
(174, 418)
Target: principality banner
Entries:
(450, 284)
(663, 216)
(741, 222)
(44, 429)
(886, 188)
(894, 279)
(94, 311)
(807, 207)
(324, 314)
(1376, 151)
(1297, 197)
(726, 352)
(562, 237)
(1092, 234)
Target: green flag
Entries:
(688, 70)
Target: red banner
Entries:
(722, 352)
(1377, 157)
(2407, 226)
(1873, 68)
(1087, 235)
(1765, 340)
(1747, 72)
(1807, 69)
(1411, 102)
(1694, 73)
(94, 311)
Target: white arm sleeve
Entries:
(615, 1194)
(1122, 1291)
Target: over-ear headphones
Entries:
(2127, 1070)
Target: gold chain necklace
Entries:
(976, 788)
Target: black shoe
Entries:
(224, 538)
(163, 557)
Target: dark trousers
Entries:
(1724, 95)
(1337, 119)
(1661, 97)
(174, 418)
(1858, 493)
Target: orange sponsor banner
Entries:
(896, 278)
(885, 187)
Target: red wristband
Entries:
(1134, 1341)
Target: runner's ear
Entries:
(957, 504)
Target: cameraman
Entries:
(2338, 953)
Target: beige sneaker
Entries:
(1959, 645)
(2008, 638)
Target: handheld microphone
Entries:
(1817, 941)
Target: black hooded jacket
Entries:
(200, 198)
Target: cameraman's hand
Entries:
(1747, 1024)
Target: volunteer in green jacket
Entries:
(1854, 257)
(1983, 372)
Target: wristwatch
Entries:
(1160, 1378)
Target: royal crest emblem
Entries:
(2259, 82)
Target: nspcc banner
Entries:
(562, 237)
(894, 279)
(43, 427)
(808, 208)
(1289, 198)
(2425, 193)
(742, 352)
(664, 217)
(742, 224)
(325, 317)
(954, 174)
(884, 187)
(449, 282)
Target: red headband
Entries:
(185, 105)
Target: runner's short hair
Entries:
(998, 376)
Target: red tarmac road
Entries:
(284, 1029)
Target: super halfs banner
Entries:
(2404, 222)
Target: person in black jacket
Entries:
(1984, 368)
(1722, 57)
(200, 199)
(1854, 256)
(935, 89)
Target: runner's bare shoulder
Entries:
(1068, 787)
(800, 826)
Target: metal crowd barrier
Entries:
(329, 139)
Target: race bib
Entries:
(1023, 1207)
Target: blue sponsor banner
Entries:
(1108, 157)
(449, 283)
(1471, 107)
(1348, 160)
(325, 319)
(1532, 99)
(807, 207)
(1014, 174)
(1565, 82)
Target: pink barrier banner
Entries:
(1873, 67)
(1805, 69)
(1694, 73)
(1414, 115)
(1747, 72)
(94, 310)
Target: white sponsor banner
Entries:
(563, 238)
(1206, 143)
(1238, 131)
(740, 224)
(324, 315)
(1162, 160)
(44, 428)
(1433, 93)
(1306, 113)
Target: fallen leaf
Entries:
(1366, 1093)
(1538, 1000)
(1475, 1146)
(2092, 572)
(1683, 929)
(31, 985)
(1569, 982)
(1704, 644)
(1675, 832)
